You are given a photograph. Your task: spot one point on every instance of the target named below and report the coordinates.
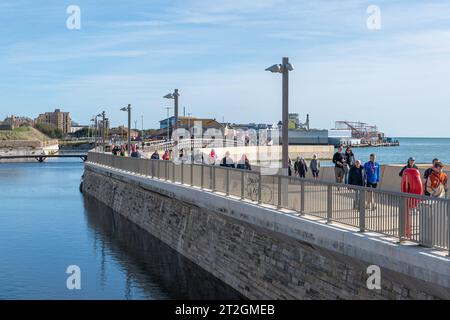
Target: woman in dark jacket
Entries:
(349, 162)
(356, 178)
(302, 168)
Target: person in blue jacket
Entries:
(372, 178)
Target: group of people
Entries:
(434, 182)
(301, 167)
(211, 159)
(122, 151)
(349, 170)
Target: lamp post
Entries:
(284, 68)
(96, 130)
(174, 96)
(103, 130)
(128, 109)
(168, 124)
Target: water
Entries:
(423, 149)
(46, 225)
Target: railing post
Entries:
(153, 168)
(302, 196)
(182, 173)
(166, 169)
(173, 171)
(279, 193)
(227, 187)
(242, 185)
(192, 174)
(448, 226)
(401, 218)
(213, 177)
(260, 188)
(202, 176)
(329, 203)
(362, 209)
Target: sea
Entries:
(423, 149)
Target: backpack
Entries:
(435, 185)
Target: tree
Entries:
(49, 130)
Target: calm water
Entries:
(423, 149)
(46, 225)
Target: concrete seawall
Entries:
(268, 254)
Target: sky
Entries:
(215, 53)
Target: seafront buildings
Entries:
(57, 118)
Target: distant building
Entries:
(186, 123)
(339, 137)
(13, 122)
(75, 127)
(58, 119)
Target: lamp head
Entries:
(169, 96)
(124, 109)
(289, 66)
(276, 68)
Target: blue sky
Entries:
(215, 52)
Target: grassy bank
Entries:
(23, 134)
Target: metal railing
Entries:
(419, 219)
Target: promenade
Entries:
(404, 217)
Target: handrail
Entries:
(415, 218)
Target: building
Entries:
(75, 127)
(338, 137)
(58, 119)
(361, 130)
(13, 122)
(187, 123)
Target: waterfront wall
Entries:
(23, 147)
(268, 254)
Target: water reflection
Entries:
(148, 262)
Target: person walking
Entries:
(356, 178)
(429, 171)
(198, 157)
(315, 167)
(244, 163)
(338, 160)
(296, 163)
(410, 165)
(166, 155)
(302, 168)
(437, 183)
(212, 157)
(349, 162)
(155, 155)
(372, 178)
(135, 152)
(227, 161)
(289, 167)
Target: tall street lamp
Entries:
(128, 109)
(168, 124)
(103, 129)
(284, 68)
(96, 129)
(174, 96)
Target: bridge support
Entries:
(40, 159)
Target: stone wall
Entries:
(254, 260)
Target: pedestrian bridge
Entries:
(406, 217)
(401, 232)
